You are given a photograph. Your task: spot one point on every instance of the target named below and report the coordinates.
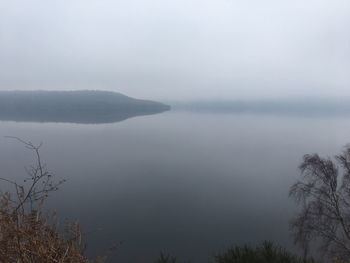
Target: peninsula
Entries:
(83, 106)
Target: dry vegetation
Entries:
(26, 235)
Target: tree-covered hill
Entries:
(83, 106)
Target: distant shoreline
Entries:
(302, 107)
(82, 106)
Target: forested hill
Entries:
(73, 106)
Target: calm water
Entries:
(190, 184)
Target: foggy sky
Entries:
(179, 49)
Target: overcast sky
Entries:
(178, 49)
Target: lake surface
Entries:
(187, 183)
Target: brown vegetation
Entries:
(26, 235)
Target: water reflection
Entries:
(86, 117)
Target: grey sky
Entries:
(179, 49)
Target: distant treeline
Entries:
(73, 106)
(306, 107)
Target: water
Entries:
(190, 184)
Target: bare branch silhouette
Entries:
(39, 179)
(324, 195)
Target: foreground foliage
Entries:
(26, 235)
(324, 195)
(267, 252)
(29, 238)
(264, 253)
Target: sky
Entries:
(179, 49)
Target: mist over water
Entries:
(255, 85)
(188, 183)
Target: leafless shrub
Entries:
(26, 235)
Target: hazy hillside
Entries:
(299, 107)
(73, 106)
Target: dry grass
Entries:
(26, 236)
(29, 238)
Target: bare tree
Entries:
(324, 195)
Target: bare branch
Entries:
(325, 200)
